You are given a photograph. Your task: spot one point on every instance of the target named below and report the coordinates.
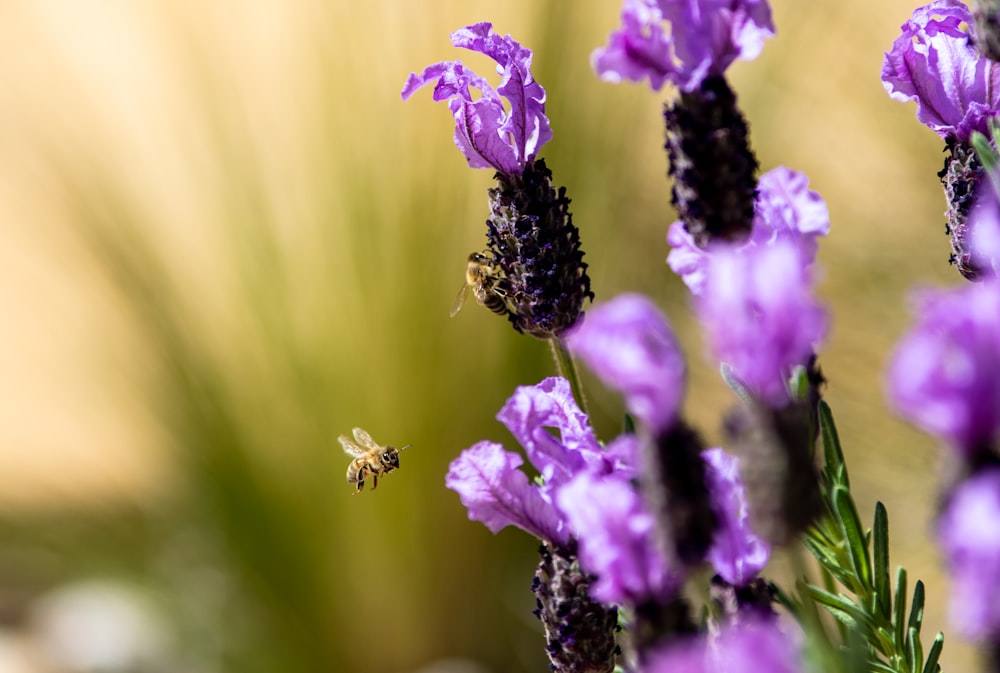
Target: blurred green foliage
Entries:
(281, 238)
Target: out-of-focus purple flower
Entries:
(752, 647)
(629, 344)
(760, 316)
(785, 209)
(528, 414)
(703, 39)
(496, 492)
(489, 135)
(615, 534)
(935, 63)
(737, 554)
(984, 228)
(969, 534)
(943, 375)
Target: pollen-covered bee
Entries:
(487, 283)
(370, 459)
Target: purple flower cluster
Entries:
(703, 38)
(942, 376)
(587, 492)
(760, 316)
(489, 135)
(785, 209)
(934, 62)
(744, 648)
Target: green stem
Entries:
(566, 367)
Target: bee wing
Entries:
(456, 305)
(350, 447)
(365, 439)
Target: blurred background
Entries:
(226, 240)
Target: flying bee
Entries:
(370, 459)
(484, 277)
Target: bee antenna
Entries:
(406, 447)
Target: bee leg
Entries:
(361, 485)
(374, 481)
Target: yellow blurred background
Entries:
(226, 240)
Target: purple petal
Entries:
(614, 532)
(737, 554)
(629, 344)
(485, 132)
(528, 414)
(496, 492)
(704, 38)
(969, 534)
(984, 226)
(943, 375)
(753, 647)
(935, 63)
(785, 209)
(760, 316)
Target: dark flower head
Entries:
(532, 239)
(943, 375)
(489, 135)
(629, 344)
(703, 39)
(785, 209)
(969, 535)
(935, 63)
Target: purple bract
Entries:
(489, 135)
(785, 209)
(760, 316)
(969, 534)
(615, 534)
(704, 37)
(629, 344)
(737, 554)
(752, 647)
(935, 63)
(943, 375)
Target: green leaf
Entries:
(729, 376)
(833, 455)
(842, 607)
(915, 650)
(847, 514)
(899, 607)
(917, 607)
(880, 562)
(931, 665)
(628, 425)
(882, 668)
(984, 150)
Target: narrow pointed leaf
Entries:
(931, 665)
(847, 514)
(899, 608)
(917, 607)
(733, 381)
(916, 651)
(833, 455)
(880, 561)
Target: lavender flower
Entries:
(935, 63)
(760, 316)
(943, 374)
(969, 534)
(785, 209)
(754, 647)
(534, 246)
(486, 133)
(981, 257)
(737, 554)
(615, 535)
(629, 344)
(496, 492)
(704, 38)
